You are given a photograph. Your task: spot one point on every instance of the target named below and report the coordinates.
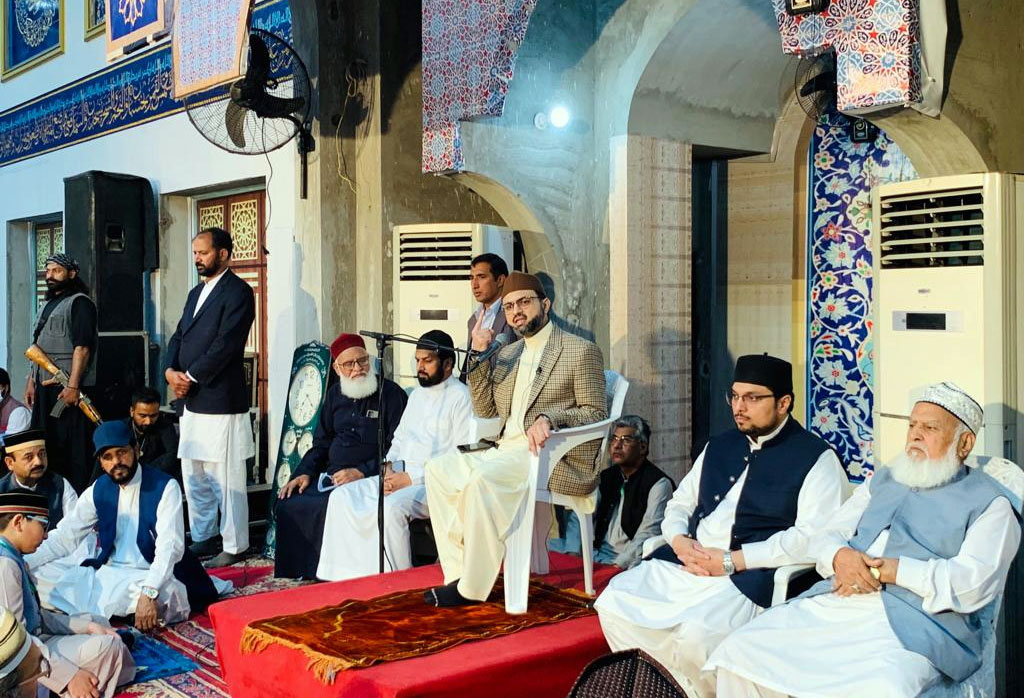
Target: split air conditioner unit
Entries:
(431, 282)
(947, 301)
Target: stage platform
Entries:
(538, 662)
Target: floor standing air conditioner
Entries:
(947, 301)
(431, 282)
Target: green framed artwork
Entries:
(95, 18)
(32, 32)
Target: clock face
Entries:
(304, 395)
(305, 441)
(289, 441)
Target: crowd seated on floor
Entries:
(890, 607)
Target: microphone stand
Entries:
(382, 339)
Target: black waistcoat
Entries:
(634, 493)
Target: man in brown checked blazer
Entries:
(547, 381)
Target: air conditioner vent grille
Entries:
(434, 257)
(933, 229)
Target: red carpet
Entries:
(537, 662)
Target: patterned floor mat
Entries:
(194, 639)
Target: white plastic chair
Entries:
(526, 545)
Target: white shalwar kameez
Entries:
(435, 421)
(213, 449)
(47, 576)
(833, 646)
(678, 617)
(114, 588)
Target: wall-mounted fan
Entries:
(264, 109)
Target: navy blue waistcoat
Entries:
(768, 502)
(188, 570)
(51, 486)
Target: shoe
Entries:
(224, 559)
(446, 596)
(205, 548)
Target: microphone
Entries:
(499, 341)
(374, 335)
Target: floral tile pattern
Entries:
(878, 54)
(469, 55)
(840, 350)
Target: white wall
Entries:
(174, 157)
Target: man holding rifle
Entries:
(67, 333)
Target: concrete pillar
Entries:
(650, 246)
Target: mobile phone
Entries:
(478, 446)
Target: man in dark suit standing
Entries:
(487, 274)
(205, 369)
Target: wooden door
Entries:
(242, 216)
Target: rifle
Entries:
(39, 357)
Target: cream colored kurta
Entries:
(474, 497)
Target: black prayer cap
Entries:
(771, 372)
(434, 340)
(25, 502)
(23, 439)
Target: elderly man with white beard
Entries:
(908, 562)
(344, 448)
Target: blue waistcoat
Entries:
(29, 598)
(926, 524)
(768, 502)
(188, 570)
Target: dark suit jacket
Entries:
(211, 345)
(500, 326)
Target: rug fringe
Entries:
(324, 668)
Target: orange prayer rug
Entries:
(360, 633)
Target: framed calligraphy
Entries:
(32, 32)
(129, 21)
(95, 18)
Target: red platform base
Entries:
(537, 662)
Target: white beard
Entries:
(358, 388)
(925, 473)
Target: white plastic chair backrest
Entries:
(615, 391)
(1005, 472)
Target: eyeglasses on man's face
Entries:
(624, 440)
(520, 304)
(349, 366)
(41, 520)
(750, 399)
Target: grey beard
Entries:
(358, 388)
(927, 472)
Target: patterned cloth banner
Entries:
(209, 38)
(469, 55)
(840, 348)
(878, 55)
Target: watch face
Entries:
(288, 442)
(305, 441)
(304, 395)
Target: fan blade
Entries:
(271, 107)
(234, 120)
(259, 61)
(819, 83)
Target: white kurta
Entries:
(474, 497)
(113, 589)
(678, 617)
(47, 576)
(435, 421)
(829, 645)
(213, 449)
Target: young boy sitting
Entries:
(87, 658)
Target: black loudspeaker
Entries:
(110, 228)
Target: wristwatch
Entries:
(727, 565)
(150, 593)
